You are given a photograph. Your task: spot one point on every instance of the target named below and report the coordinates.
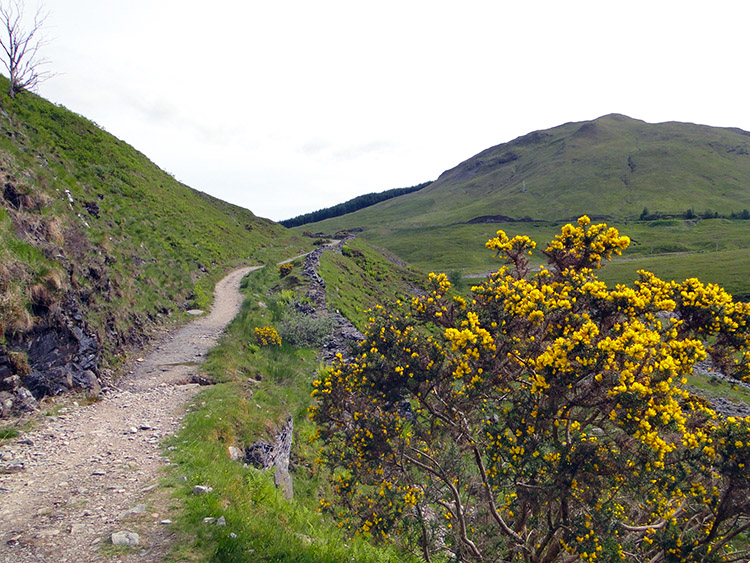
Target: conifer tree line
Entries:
(355, 204)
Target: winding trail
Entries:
(88, 471)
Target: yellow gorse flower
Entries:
(545, 402)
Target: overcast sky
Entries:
(285, 107)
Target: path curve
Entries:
(85, 468)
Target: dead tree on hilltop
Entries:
(21, 47)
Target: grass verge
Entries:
(258, 388)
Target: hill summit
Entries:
(610, 167)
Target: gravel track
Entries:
(85, 473)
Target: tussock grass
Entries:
(8, 433)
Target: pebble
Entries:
(139, 509)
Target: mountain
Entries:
(613, 168)
(98, 248)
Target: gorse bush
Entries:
(267, 336)
(285, 270)
(543, 419)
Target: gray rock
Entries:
(266, 456)
(209, 520)
(235, 453)
(201, 490)
(14, 466)
(6, 403)
(195, 312)
(283, 480)
(221, 521)
(139, 509)
(25, 401)
(87, 380)
(125, 538)
(10, 383)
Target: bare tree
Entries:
(21, 46)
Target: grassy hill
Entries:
(98, 246)
(611, 168)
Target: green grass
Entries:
(726, 268)
(360, 278)
(259, 387)
(8, 433)
(714, 388)
(611, 169)
(715, 251)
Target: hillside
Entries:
(98, 248)
(611, 168)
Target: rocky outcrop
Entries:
(275, 456)
(53, 358)
(721, 405)
(345, 334)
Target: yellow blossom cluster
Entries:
(586, 245)
(267, 336)
(544, 416)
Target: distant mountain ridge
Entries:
(613, 166)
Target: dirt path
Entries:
(69, 484)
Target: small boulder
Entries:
(201, 490)
(125, 538)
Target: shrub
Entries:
(301, 329)
(543, 418)
(285, 270)
(267, 336)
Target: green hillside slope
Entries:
(611, 168)
(98, 247)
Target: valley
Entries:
(349, 406)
